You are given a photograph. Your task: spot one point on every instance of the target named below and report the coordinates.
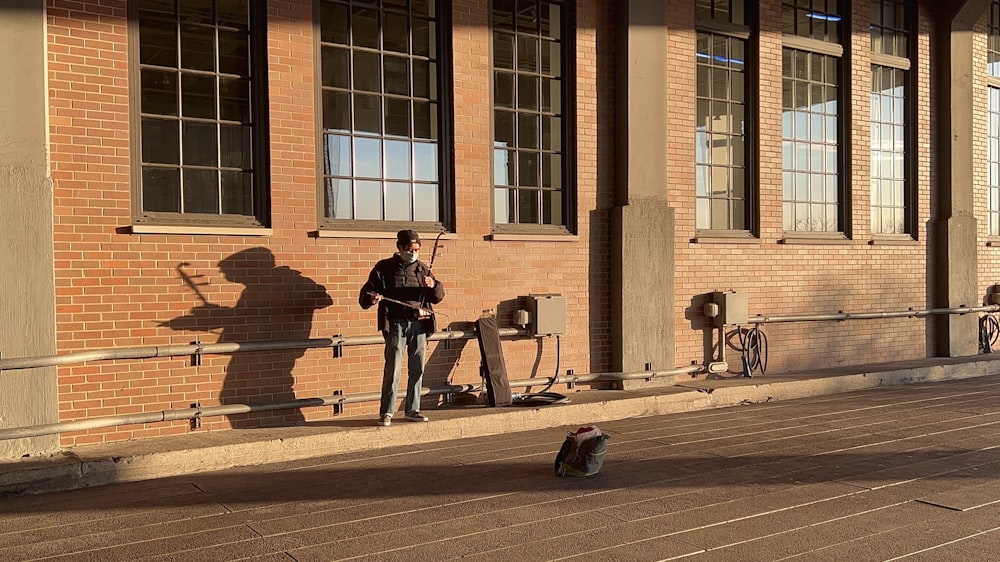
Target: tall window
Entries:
(532, 139)
(810, 124)
(382, 122)
(199, 105)
(722, 178)
(993, 160)
(993, 89)
(993, 41)
(890, 190)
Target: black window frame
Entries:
(567, 99)
(445, 126)
(838, 50)
(260, 138)
(907, 65)
(748, 32)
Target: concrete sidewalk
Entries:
(199, 452)
(886, 473)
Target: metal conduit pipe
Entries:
(218, 348)
(231, 409)
(761, 319)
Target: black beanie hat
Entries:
(406, 237)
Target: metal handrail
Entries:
(221, 348)
(231, 409)
(840, 316)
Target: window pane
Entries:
(425, 202)
(364, 22)
(368, 195)
(397, 160)
(503, 167)
(424, 38)
(200, 144)
(201, 191)
(197, 48)
(339, 199)
(527, 130)
(503, 129)
(552, 205)
(395, 35)
(161, 190)
(527, 93)
(159, 92)
(235, 147)
(337, 156)
(367, 157)
(501, 206)
(398, 205)
(367, 114)
(333, 26)
(234, 53)
(527, 168)
(397, 117)
(336, 111)
(503, 50)
(234, 100)
(237, 193)
(367, 72)
(425, 161)
(160, 141)
(527, 206)
(336, 67)
(397, 75)
(158, 46)
(503, 90)
(425, 120)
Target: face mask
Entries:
(409, 257)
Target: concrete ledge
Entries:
(170, 456)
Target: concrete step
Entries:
(95, 465)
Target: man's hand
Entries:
(375, 297)
(429, 281)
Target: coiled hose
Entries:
(753, 350)
(989, 331)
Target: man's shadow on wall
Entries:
(277, 303)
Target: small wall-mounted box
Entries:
(733, 308)
(548, 314)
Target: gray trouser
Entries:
(404, 336)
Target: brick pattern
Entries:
(795, 279)
(116, 289)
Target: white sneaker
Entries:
(384, 421)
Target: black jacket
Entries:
(404, 282)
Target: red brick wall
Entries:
(115, 288)
(796, 279)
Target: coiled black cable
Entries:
(753, 350)
(544, 397)
(989, 331)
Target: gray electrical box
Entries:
(733, 308)
(548, 314)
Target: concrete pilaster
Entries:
(953, 261)
(27, 300)
(643, 270)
